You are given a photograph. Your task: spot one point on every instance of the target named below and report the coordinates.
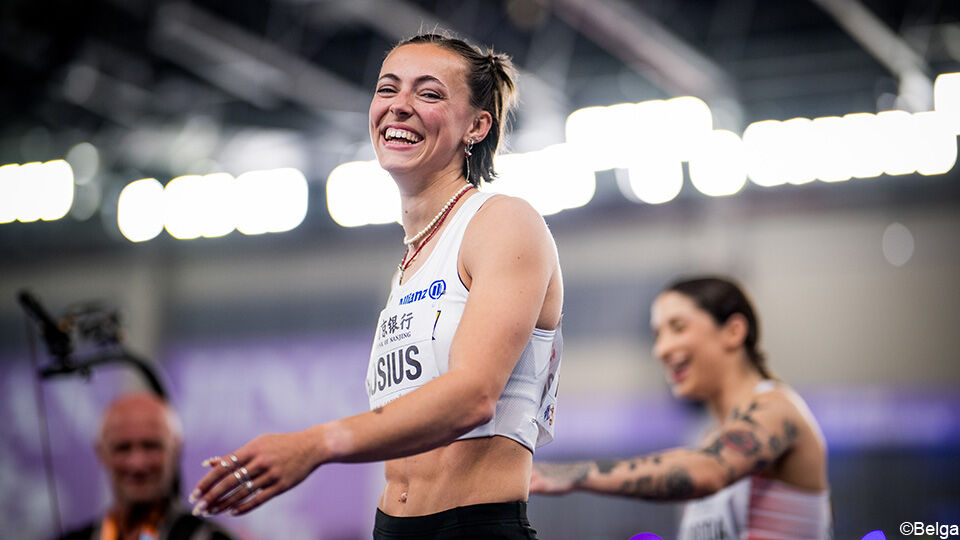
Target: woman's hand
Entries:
(557, 478)
(253, 474)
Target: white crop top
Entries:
(412, 344)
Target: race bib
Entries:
(402, 357)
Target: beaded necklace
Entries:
(429, 230)
(413, 239)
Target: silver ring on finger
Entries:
(235, 460)
(240, 481)
(249, 485)
(245, 473)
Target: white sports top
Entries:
(757, 508)
(412, 344)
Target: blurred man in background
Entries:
(139, 447)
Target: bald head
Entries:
(138, 444)
(140, 407)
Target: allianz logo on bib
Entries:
(434, 291)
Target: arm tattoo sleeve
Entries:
(675, 484)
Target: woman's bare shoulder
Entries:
(509, 223)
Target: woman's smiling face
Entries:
(689, 344)
(420, 113)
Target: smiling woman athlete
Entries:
(762, 469)
(462, 375)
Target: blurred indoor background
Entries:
(203, 169)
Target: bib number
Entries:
(402, 358)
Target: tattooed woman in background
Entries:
(762, 469)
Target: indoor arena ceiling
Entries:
(163, 87)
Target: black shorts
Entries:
(492, 521)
